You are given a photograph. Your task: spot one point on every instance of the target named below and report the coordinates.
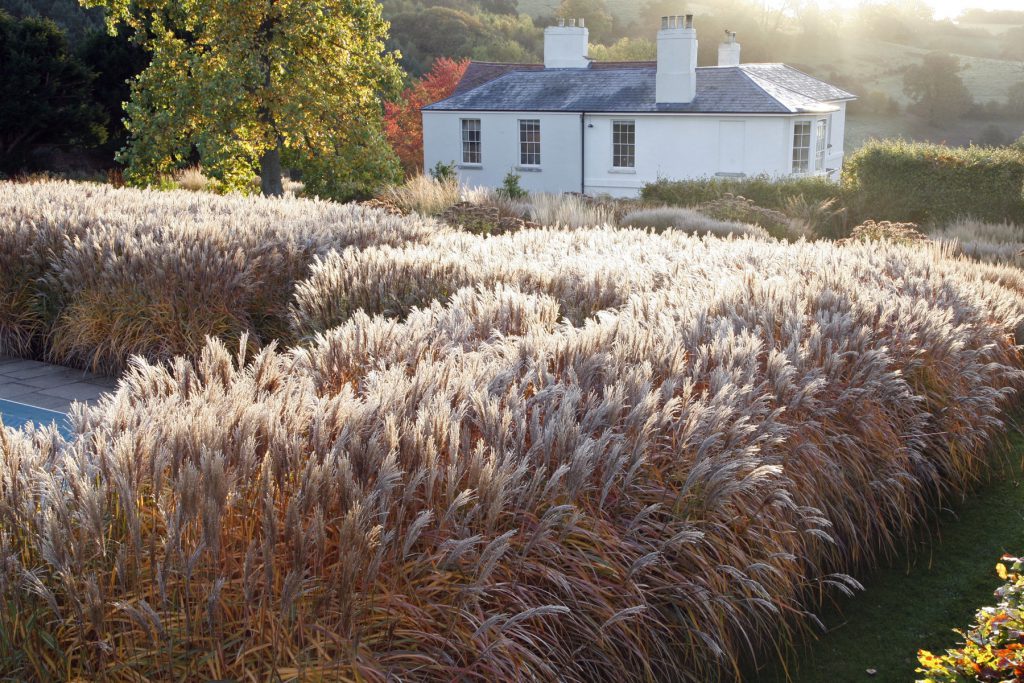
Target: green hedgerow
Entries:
(926, 183)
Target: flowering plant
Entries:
(993, 649)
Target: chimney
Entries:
(677, 61)
(729, 51)
(566, 47)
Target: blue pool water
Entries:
(14, 414)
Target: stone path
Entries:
(49, 386)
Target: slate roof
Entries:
(629, 87)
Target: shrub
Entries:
(443, 172)
(689, 221)
(897, 233)
(763, 190)
(483, 491)
(484, 219)
(930, 184)
(424, 195)
(993, 648)
(510, 187)
(743, 210)
(822, 219)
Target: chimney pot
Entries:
(582, 22)
(689, 21)
(561, 21)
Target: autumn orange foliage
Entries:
(403, 124)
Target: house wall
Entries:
(499, 134)
(673, 147)
(838, 139)
(681, 147)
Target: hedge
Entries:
(763, 190)
(927, 183)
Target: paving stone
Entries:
(22, 370)
(78, 391)
(39, 400)
(54, 379)
(10, 360)
(12, 390)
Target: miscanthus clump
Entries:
(467, 484)
(90, 275)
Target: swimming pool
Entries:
(14, 414)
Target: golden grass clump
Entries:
(424, 195)
(474, 486)
(569, 211)
(93, 274)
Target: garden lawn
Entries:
(925, 594)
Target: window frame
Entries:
(629, 145)
(820, 144)
(798, 165)
(472, 156)
(529, 149)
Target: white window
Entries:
(820, 140)
(529, 142)
(801, 146)
(623, 144)
(471, 152)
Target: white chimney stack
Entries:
(729, 51)
(566, 47)
(677, 61)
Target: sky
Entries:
(950, 9)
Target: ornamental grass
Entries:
(601, 455)
(92, 275)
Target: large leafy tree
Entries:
(937, 89)
(45, 92)
(257, 85)
(403, 122)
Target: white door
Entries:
(731, 143)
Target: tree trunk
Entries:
(271, 183)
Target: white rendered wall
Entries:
(838, 139)
(499, 134)
(684, 147)
(672, 147)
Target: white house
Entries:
(577, 125)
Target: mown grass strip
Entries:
(933, 588)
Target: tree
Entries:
(255, 85)
(45, 92)
(1015, 98)
(74, 20)
(598, 19)
(115, 60)
(403, 123)
(936, 88)
(625, 50)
